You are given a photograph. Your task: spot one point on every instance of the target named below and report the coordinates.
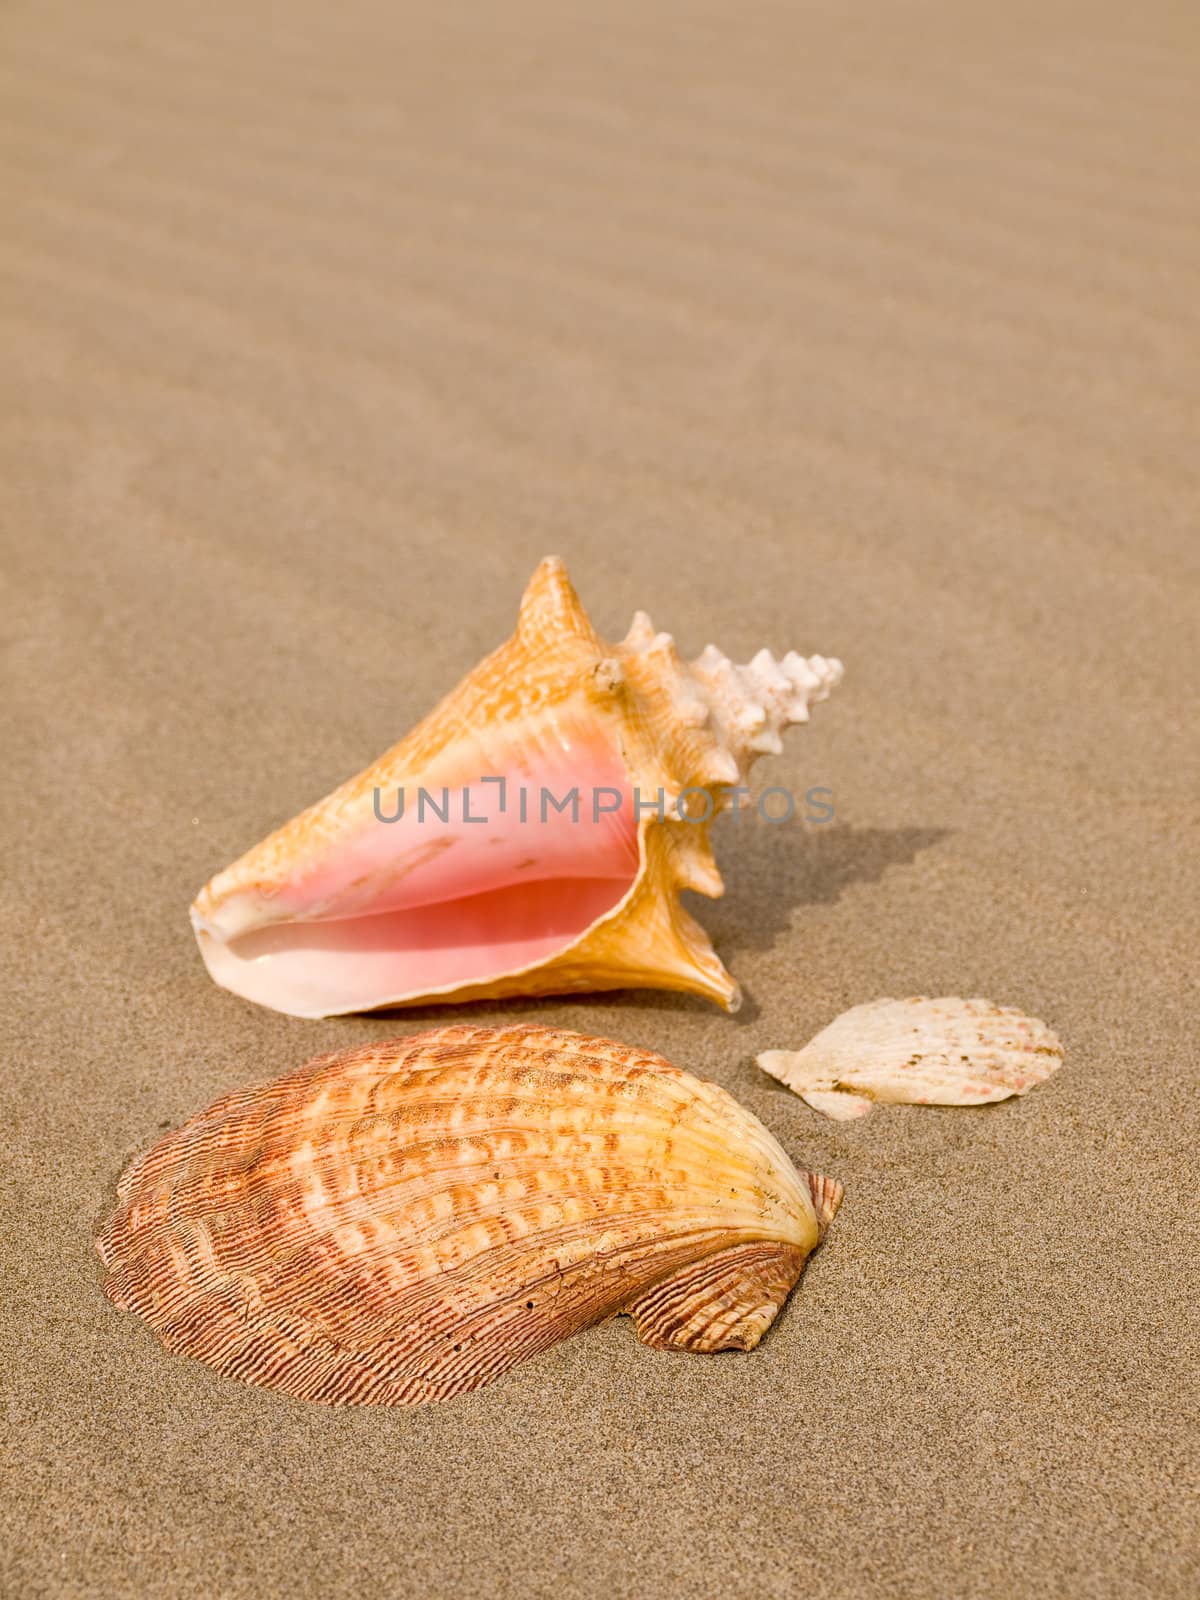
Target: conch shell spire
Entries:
(746, 707)
(530, 836)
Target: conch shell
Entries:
(405, 1222)
(946, 1052)
(459, 866)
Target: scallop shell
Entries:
(946, 1052)
(405, 1222)
(442, 870)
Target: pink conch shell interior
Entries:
(424, 904)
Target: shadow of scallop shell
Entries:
(405, 1222)
(945, 1052)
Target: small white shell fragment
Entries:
(943, 1052)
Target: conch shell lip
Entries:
(731, 997)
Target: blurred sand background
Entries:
(868, 329)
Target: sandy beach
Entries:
(872, 331)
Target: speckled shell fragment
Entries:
(405, 1222)
(945, 1052)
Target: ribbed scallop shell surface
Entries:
(405, 1222)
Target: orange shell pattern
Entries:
(405, 1222)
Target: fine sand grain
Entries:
(867, 328)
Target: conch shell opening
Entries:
(530, 836)
(405, 1222)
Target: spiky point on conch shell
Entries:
(404, 1222)
(295, 923)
